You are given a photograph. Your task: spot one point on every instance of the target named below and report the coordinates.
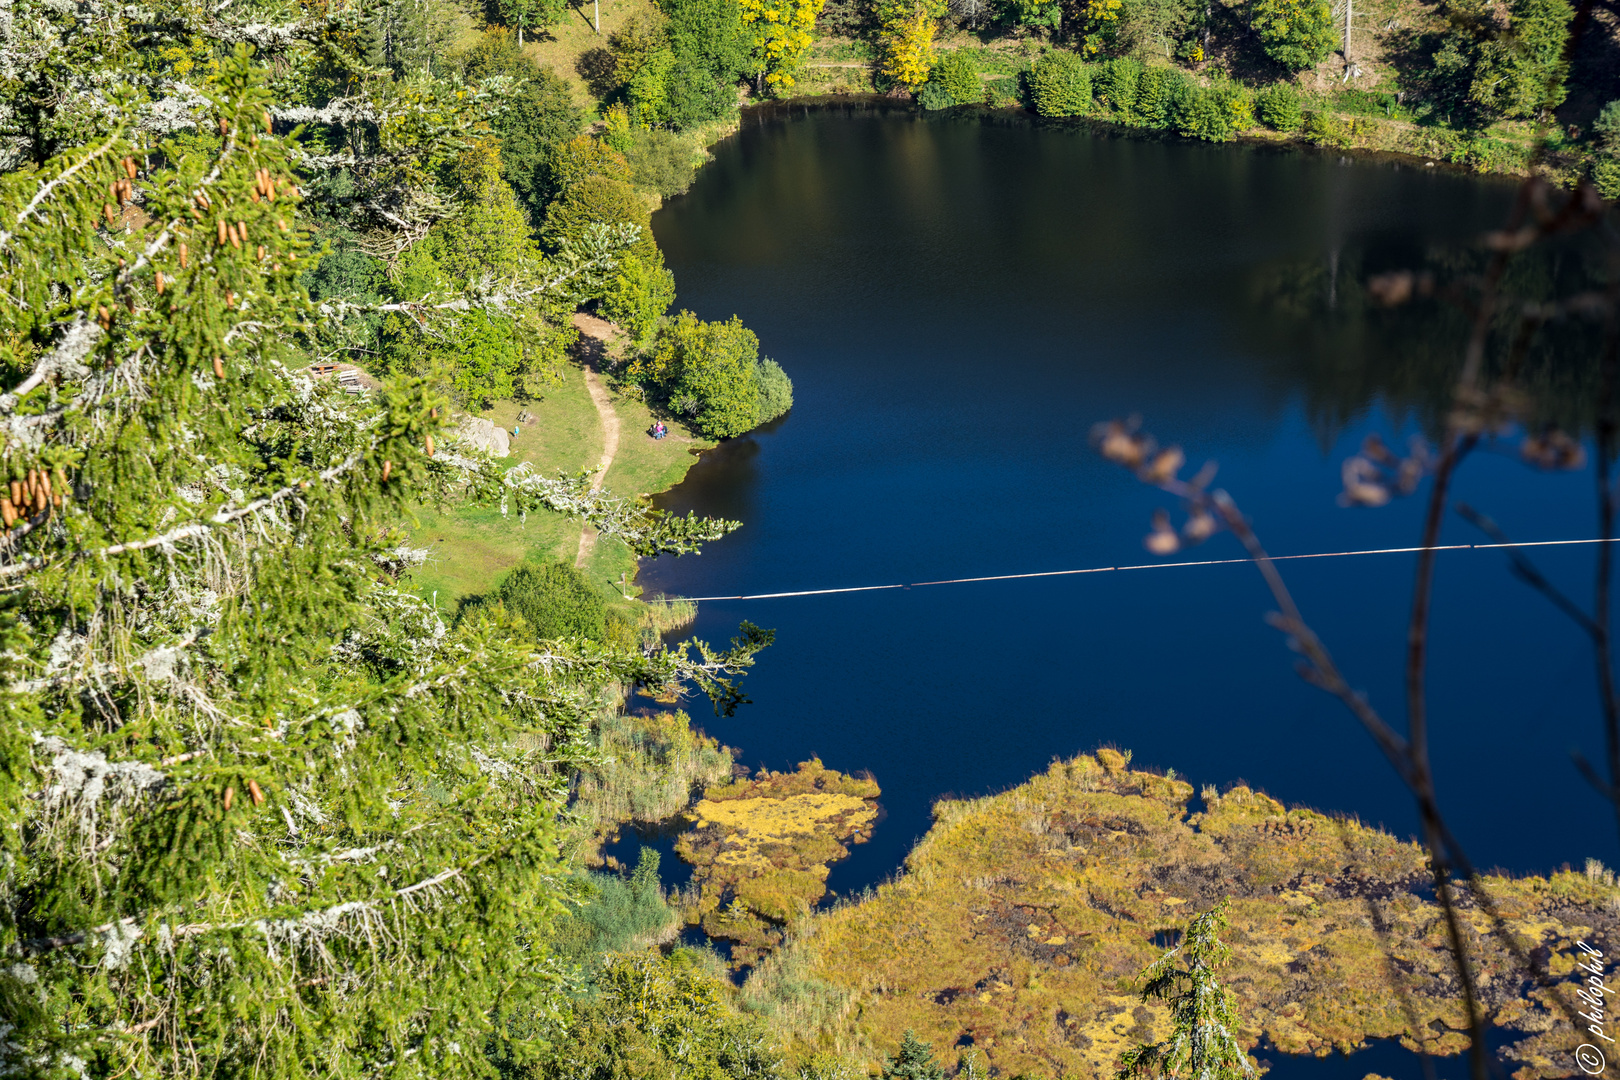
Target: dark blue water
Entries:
(957, 301)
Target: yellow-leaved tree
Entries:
(907, 36)
(1102, 23)
(782, 33)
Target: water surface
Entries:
(957, 299)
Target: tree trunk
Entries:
(596, 6)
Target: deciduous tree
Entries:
(1296, 33)
(1520, 73)
(782, 32)
(906, 35)
(524, 15)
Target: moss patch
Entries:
(1023, 921)
(760, 849)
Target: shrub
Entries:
(1116, 86)
(933, 96)
(1606, 177)
(1606, 134)
(775, 390)
(1061, 85)
(557, 600)
(1606, 128)
(1320, 126)
(1155, 90)
(1003, 92)
(957, 73)
(1279, 108)
(660, 161)
(1203, 114)
(656, 1016)
(617, 133)
(1237, 103)
(638, 295)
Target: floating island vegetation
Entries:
(1022, 921)
(760, 848)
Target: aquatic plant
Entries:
(1030, 941)
(760, 848)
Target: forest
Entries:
(267, 809)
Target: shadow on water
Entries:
(1381, 1057)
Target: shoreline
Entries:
(1251, 138)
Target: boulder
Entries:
(486, 435)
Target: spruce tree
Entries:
(913, 1061)
(1203, 1044)
(261, 810)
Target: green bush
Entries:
(637, 296)
(557, 600)
(1238, 104)
(1002, 92)
(1322, 127)
(933, 96)
(659, 1016)
(1279, 107)
(1606, 128)
(957, 72)
(1156, 89)
(1606, 177)
(1116, 85)
(1319, 126)
(1060, 83)
(660, 161)
(1203, 114)
(775, 390)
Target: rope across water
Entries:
(1147, 566)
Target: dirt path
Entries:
(595, 335)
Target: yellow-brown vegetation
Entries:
(760, 849)
(1023, 920)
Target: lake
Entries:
(957, 299)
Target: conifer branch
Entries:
(76, 344)
(195, 529)
(49, 187)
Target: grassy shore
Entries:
(474, 548)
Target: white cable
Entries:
(1145, 566)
